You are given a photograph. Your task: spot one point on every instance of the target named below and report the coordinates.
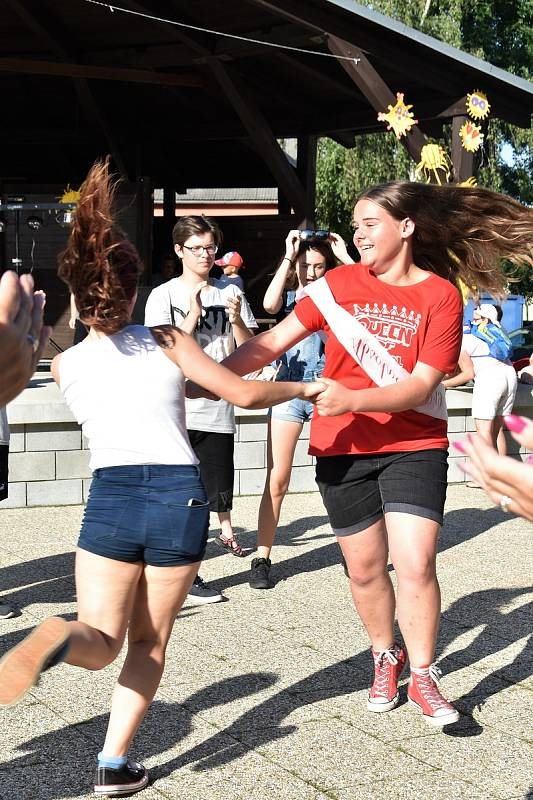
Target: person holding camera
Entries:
(308, 256)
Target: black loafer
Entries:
(130, 778)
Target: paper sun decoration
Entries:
(432, 158)
(70, 195)
(471, 136)
(399, 117)
(477, 105)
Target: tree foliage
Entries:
(497, 31)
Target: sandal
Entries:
(232, 545)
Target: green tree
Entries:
(497, 31)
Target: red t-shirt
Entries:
(423, 323)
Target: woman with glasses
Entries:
(145, 525)
(220, 319)
(308, 256)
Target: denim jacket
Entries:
(304, 361)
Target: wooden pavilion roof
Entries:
(191, 108)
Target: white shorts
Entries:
(494, 392)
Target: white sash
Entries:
(365, 349)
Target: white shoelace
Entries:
(383, 661)
(428, 684)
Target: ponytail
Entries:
(100, 265)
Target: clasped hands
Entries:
(330, 397)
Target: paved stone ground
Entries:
(264, 695)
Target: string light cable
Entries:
(113, 8)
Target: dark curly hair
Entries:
(99, 264)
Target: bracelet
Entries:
(286, 258)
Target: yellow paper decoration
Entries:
(471, 136)
(469, 182)
(70, 195)
(477, 105)
(399, 117)
(433, 157)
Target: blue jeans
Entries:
(154, 513)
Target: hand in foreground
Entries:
(508, 483)
(234, 309)
(22, 334)
(311, 390)
(340, 251)
(335, 399)
(193, 391)
(521, 429)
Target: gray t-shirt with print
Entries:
(168, 304)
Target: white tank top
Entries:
(128, 398)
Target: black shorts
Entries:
(358, 489)
(4, 470)
(214, 451)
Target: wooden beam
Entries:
(462, 160)
(93, 113)
(261, 135)
(374, 88)
(306, 166)
(71, 70)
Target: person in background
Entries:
(230, 264)
(495, 383)
(167, 270)
(220, 319)
(303, 263)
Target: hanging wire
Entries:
(114, 7)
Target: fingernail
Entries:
(470, 437)
(530, 459)
(459, 446)
(514, 423)
(464, 466)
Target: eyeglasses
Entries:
(308, 235)
(198, 250)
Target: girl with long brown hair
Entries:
(145, 526)
(394, 327)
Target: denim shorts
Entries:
(295, 410)
(358, 490)
(143, 513)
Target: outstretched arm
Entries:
(196, 365)
(266, 347)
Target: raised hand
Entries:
(234, 309)
(292, 245)
(195, 303)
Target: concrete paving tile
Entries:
(356, 758)
(429, 786)
(498, 761)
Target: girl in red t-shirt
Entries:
(381, 465)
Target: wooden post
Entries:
(462, 160)
(306, 167)
(145, 213)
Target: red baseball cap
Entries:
(232, 258)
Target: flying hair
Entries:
(99, 264)
(461, 231)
